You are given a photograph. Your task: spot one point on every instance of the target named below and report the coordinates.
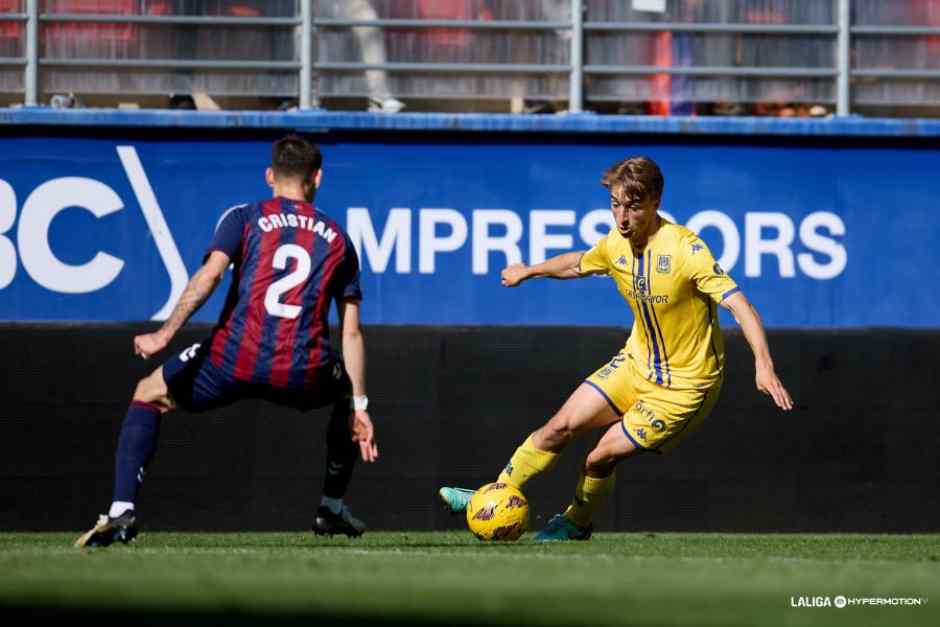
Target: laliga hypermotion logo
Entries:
(54, 196)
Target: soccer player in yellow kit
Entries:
(665, 381)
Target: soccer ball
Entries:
(498, 511)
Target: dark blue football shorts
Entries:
(196, 384)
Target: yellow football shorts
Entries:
(655, 418)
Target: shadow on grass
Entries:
(340, 544)
(470, 546)
(157, 618)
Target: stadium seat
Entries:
(11, 30)
(98, 39)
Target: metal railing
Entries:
(308, 30)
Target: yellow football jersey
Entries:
(673, 288)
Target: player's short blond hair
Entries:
(635, 178)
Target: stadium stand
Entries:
(728, 57)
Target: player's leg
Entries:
(332, 386)
(586, 409)
(658, 420)
(595, 484)
(137, 443)
(188, 380)
(333, 516)
(597, 476)
(597, 403)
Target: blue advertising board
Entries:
(817, 235)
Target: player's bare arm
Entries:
(753, 329)
(563, 266)
(200, 287)
(354, 355)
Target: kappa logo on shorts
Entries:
(664, 264)
(337, 371)
(641, 433)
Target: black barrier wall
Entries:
(451, 404)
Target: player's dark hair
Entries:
(636, 178)
(292, 156)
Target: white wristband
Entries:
(360, 403)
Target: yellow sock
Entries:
(589, 494)
(526, 463)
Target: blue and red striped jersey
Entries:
(290, 262)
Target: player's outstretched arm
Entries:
(199, 288)
(563, 266)
(354, 356)
(753, 329)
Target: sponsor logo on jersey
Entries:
(650, 298)
(643, 295)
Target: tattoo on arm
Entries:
(197, 291)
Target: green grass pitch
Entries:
(449, 578)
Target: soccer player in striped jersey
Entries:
(665, 381)
(290, 262)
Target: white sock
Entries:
(334, 505)
(119, 507)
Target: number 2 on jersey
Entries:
(272, 298)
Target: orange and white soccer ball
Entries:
(498, 511)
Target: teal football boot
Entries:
(456, 499)
(560, 528)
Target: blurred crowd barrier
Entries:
(660, 57)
